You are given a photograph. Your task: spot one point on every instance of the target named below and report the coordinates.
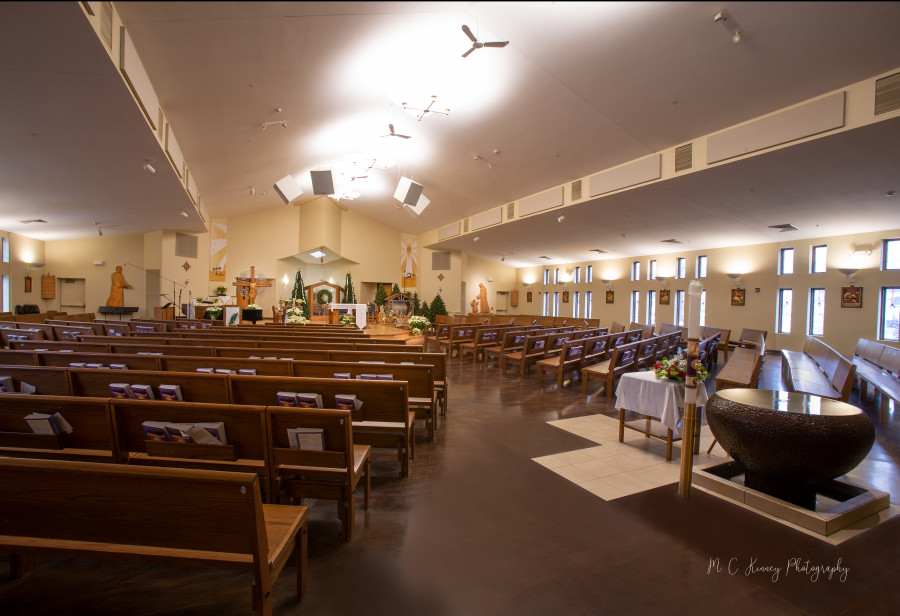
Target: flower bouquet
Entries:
(676, 369)
(254, 307)
(417, 324)
(295, 316)
(214, 313)
(348, 320)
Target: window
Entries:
(817, 260)
(587, 301)
(545, 302)
(6, 293)
(651, 307)
(816, 312)
(635, 306)
(556, 275)
(576, 301)
(703, 307)
(556, 303)
(891, 252)
(783, 318)
(546, 277)
(889, 309)
(679, 308)
(701, 266)
(680, 267)
(576, 277)
(590, 274)
(636, 270)
(786, 261)
(651, 270)
(6, 254)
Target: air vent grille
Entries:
(671, 241)
(784, 227)
(510, 211)
(25, 222)
(106, 19)
(440, 261)
(186, 245)
(599, 251)
(887, 94)
(684, 157)
(576, 190)
(466, 225)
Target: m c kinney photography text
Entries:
(792, 566)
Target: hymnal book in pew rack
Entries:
(311, 439)
(42, 423)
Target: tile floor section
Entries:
(613, 469)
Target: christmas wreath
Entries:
(324, 296)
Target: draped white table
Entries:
(661, 399)
(359, 311)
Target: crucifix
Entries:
(246, 289)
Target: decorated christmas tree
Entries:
(424, 309)
(380, 296)
(299, 295)
(415, 301)
(437, 308)
(395, 288)
(349, 293)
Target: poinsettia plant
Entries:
(417, 324)
(348, 320)
(254, 307)
(676, 369)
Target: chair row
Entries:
(818, 370)
(878, 365)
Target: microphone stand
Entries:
(174, 284)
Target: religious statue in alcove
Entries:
(117, 290)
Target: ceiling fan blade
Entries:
(391, 126)
(470, 51)
(402, 136)
(497, 44)
(469, 33)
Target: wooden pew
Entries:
(330, 473)
(420, 377)
(383, 421)
(646, 354)
(245, 450)
(485, 337)
(91, 439)
(532, 352)
(263, 367)
(12, 357)
(570, 359)
(195, 387)
(47, 381)
(621, 360)
(160, 515)
(743, 367)
(65, 360)
(510, 341)
(818, 370)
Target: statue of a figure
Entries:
(117, 291)
(474, 305)
(482, 298)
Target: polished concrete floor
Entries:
(481, 527)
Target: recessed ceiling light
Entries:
(889, 193)
(318, 254)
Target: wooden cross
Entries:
(250, 297)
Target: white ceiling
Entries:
(581, 87)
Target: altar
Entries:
(358, 310)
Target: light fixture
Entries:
(99, 232)
(266, 125)
(426, 110)
(560, 218)
(318, 254)
(149, 168)
(736, 278)
(285, 280)
(33, 266)
(408, 191)
(734, 29)
(185, 214)
(287, 188)
(663, 280)
(849, 273)
(608, 283)
(476, 238)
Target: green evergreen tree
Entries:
(300, 295)
(349, 293)
(395, 288)
(424, 310)
(415, 300)
(437, 308)
(380, 296)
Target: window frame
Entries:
(635, 271)
(588, 303)
(679, 307)
(651, 270)
(635, 306)
(811, 313)
(813, 259)
(651, 307)
(589, 275)
(779, 312)
(886, 252)
(781, 261)
(680, 268)
(701, 266)
(576, 304)
(883, 313)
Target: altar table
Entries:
(359, 311)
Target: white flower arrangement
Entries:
(254, 307)
(417, 324)
(295, 316)
(348, 319)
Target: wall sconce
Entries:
(849, 273)
(30, 267)
(736, 278)
(663, 280)
(608, 283)
(285, 280)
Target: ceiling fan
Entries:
(393, 134)
(476, 44)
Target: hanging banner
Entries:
(218, 240)
(409, 261)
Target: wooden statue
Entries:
(117, 290)
(482, 299)
(475, 305)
